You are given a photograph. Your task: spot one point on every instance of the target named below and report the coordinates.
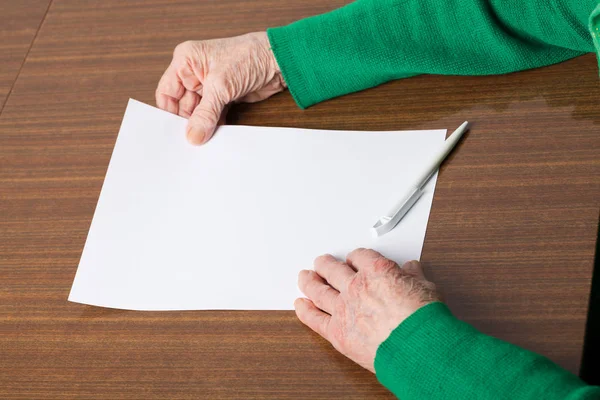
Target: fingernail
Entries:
(195, 135)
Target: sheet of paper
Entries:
(229, 225)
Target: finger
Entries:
(169, 91)
(189, 101)
(312, 317)
(189, 77)
(369, 259)
(316, 289)
(204, 119)
(338, 274)
(414, 268)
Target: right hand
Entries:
(356, 304)
(205, 76)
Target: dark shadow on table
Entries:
(590, 365)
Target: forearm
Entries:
(370, 42)
(433, 355)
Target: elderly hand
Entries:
(205, 76)
(356, 304)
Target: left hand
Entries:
(356, 304)
(207, 75)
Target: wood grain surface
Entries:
(19, 22)
(510, 240)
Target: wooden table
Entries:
(510, 240)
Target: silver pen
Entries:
(391, 219)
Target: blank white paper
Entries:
(229, 225)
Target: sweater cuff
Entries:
(404, 360)
(286, 56)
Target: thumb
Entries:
(203, 121)
(414, 268)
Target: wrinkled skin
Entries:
(356, 304)
(205, 76)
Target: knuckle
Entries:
(364, 254)
(172, 88)
(411, 266)
(425, 292)
(183, 48)
(382, 264)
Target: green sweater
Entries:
(433, 355)
(370, 42)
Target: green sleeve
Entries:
(370, 42)
(432, 355)
(595, 30)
